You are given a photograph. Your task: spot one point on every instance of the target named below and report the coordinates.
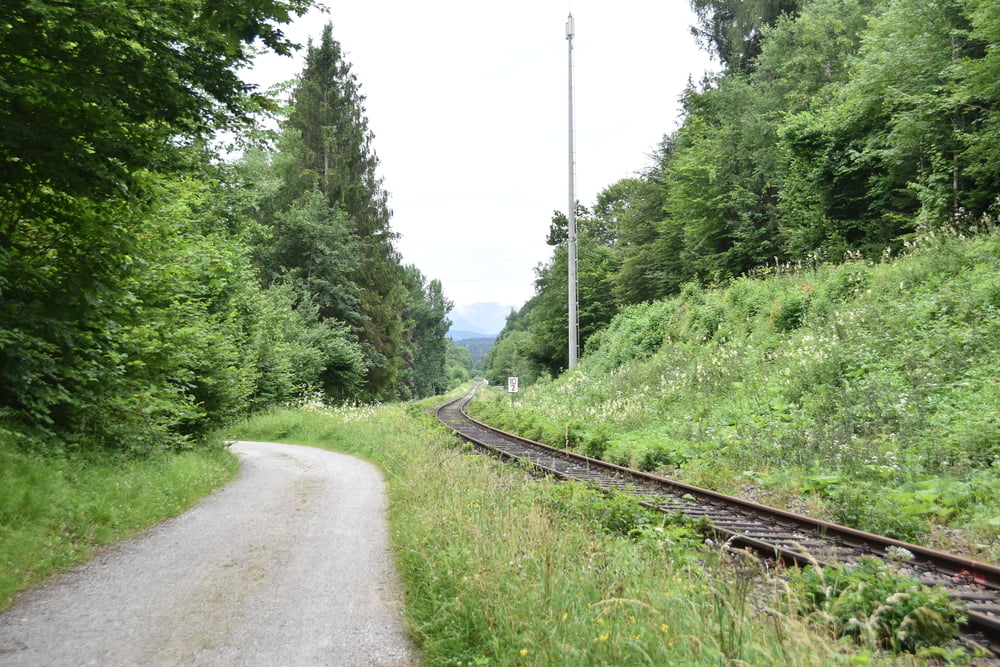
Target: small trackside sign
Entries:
(512, 385)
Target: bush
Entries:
(867, 507)
(876, 603)
(595, 444)
(660, 456)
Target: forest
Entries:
(834, 130)
(157, 281)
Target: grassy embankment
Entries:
(499, 568)
(504, 569)
(865, 393)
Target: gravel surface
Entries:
(288, 565)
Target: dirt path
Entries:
(288, 565)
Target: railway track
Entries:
(772, 533)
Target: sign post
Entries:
(512, 385)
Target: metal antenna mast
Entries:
(571, 214)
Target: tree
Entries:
(458, 366)
(547, 317)
(301, 238)
(336, 157)
(95, 91)
(733, 182)
(119, 300)
(733, 29)
(136, 351)
(884, 156)
(427, 348)
(296, 353)
(805, 59)
(978, 87)
(508, 358)
(723, 177)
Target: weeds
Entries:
(882, 375)
(875, 603)
(502, 568)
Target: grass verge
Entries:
(54, 511)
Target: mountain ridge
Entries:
(478, 320)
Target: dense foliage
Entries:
(835, 129)
(323, 228)
(148, 291)
(875, 602)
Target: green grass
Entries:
(55, 510)
(502, 569)
(865, 392)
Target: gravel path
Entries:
(288, 565)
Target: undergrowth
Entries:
(876, 603)
(866, 392)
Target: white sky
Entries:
(468, 103)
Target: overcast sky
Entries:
(468, 103)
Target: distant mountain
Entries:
(459, 336)
(477, 320)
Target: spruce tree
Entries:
(336, 156)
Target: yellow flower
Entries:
(664, 627)
(523, 652)
(603, 638)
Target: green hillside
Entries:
(864, 392)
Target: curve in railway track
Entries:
(773, 533)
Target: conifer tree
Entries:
(336, 156)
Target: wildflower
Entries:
(523, 652)
(664, 627)
(898, 554)
(603, 638)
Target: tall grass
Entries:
(55, 510)
(864, 391)
(503, 569)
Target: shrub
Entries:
(875, 602)
(659, 456)
(595, 444)
(614, 513)
(868, 507)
